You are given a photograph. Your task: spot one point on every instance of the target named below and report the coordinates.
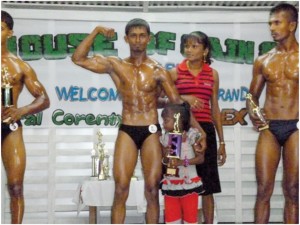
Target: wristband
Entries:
(186, 162)
(222, 143)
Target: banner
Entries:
(82, 98)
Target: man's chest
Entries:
(139, 78)
(281, 66)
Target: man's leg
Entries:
(291, 179)
(125, 158)
(151, 155)
(14, 161)
(266, 163)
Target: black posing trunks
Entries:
(282, 129)
(5, 130)
(139, 133)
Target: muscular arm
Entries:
(256, 87)
(99, 63)
(41, 100)
(169, 87)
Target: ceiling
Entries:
(145, 6)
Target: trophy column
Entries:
(257, 111)
(7, 96)
(175, 141)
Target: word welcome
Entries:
(61, 46)
(78, 94)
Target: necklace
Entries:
(194, 71)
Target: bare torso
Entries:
(138, 86)
(281, 72)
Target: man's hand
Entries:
(106, 31)
(257, 123)
(10, 114)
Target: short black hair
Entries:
(137, 22)
(184, 110)
(290, 9)
(6, 18)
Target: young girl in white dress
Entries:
(181, 189)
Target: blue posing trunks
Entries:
(282, 129)
(140, 133)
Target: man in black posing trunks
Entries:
(17, 74)
(278, 69)
(138, 79)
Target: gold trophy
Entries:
(257, 111)
(175, 141)
(7, 96)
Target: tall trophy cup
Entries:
(257, 111)
(103, 159)
(7, 96)
(175, 140)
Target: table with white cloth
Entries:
(95, 193)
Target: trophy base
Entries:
(172, 172)
(263, 128)
(101, 177)
(134, 178)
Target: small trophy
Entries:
(7, 96)
(103, 159)
(257, 111)
(175, 141)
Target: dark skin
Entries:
(13, 152)
(138, 79)
(278, 70)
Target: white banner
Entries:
(83, 98)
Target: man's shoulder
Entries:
(266, 55)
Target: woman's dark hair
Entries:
(137, 23)
(201, 38)
(183, 109)
(6, 18)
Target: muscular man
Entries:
(278, 69)
(139, 79)
(16, 73)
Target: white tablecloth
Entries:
(101, 193)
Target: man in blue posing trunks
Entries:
(139, 79)
(278, 69)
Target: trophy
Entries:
(94, 165)
(175, 140)
(257, 111)
(7, 96)
(103, 159)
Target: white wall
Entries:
(58, 157)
